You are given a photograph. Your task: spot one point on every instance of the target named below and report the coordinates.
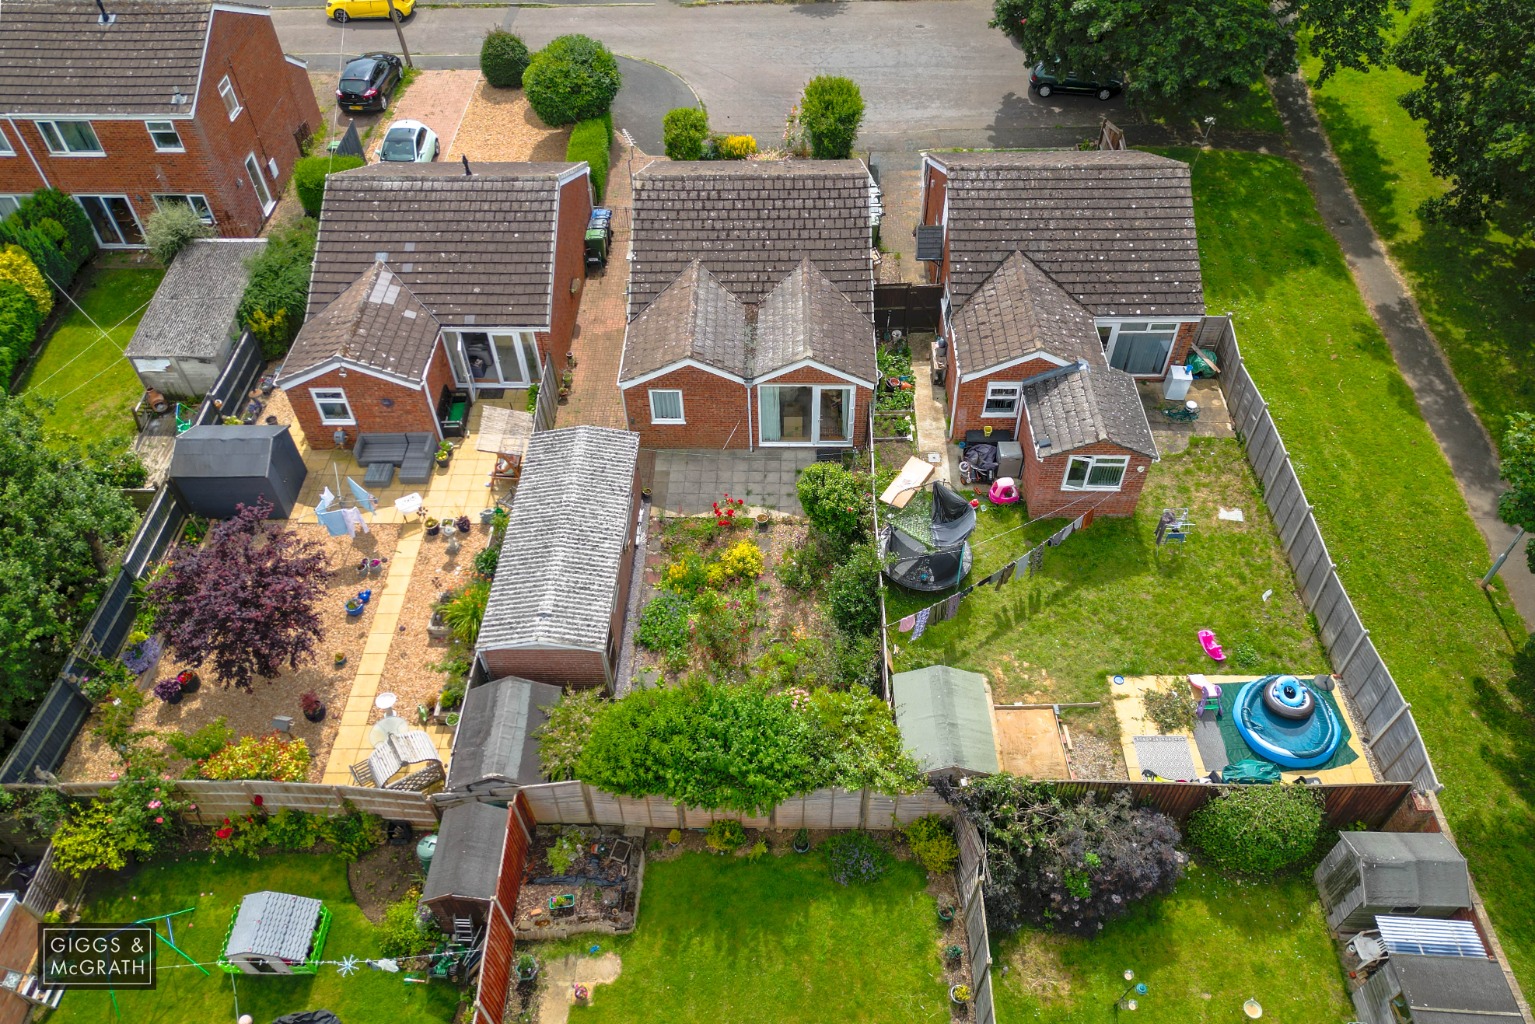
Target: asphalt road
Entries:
(932, 73)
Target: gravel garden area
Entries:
(499, 126)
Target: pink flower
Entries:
(154, 805)
(191, 807)
(159, 821)
(113, 776)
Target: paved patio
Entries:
(1172, 436)
(690, 481)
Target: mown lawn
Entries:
(1108, 600)
(1465, 281)
(215, 888)
(776, 942)
(82, 369)
(1396, 525)
(1243, 110)
(1201, 951)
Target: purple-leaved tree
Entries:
(245, 600)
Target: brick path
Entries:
(599, 340)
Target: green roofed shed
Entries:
(944, 715)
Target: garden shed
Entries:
(462, 880)
(1418, 874)
(190, 328)
(497, 740)
(944, 715)
(276, 933)
(216, 467)
(1436, 972)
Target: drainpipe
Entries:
(750, 445)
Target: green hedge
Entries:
(18, 328)
(309, 178)
(273, 305)
(572, 79)
(54, 232)
(831, 113)
(592, 141)
(504, 58)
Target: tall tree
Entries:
(245, 600)
(1516, 506)
(1477, 103)
(1168, 49)
(61, 521)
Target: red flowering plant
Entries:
(245, 835)
(137, 817)
(727, 511)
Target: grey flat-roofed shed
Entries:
(215, 468)
(497, 740)
(944, 715)
(1438, 990)
(189, 330)
(1404, 874)
(467, 862)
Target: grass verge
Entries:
(1395, 523)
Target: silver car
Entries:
(409, 142)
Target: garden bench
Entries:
(372, 449)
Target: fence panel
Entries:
(985, 1008)
(217, 800)
(48, 886)
(548, 399)
(227, 396)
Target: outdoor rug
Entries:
(1211, 744)
(1168, 756)
(503, 430)
(1238, 750)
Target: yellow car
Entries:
(344, 11)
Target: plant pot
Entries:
(432, 527)
(173, 699)
(800, 847)
(317, 715)
(954, 998)
(486, 515)
(764, 521)
(354, 608)
(945, 914)
(191, 683)
(365, 596)
(339, 661)
(527, 975)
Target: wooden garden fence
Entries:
(218, 800)
(1384, 717)
(494, 989)
(576, 803)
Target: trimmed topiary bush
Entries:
(684, 132)
(504, 58)
(574, 78)
(592, 141)
(170, 228)
(1258, 830)
(63, 223)
(831, 113)
(309, 178)
(17, 267)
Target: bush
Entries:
(244, 836)
(664, 624)
(852, 593)
(592, 141)
(736, 147)
(836, 502)
(741, 561)
(804, 567)
(294, 830)
(64, 220)
(354, 833)
(725, 835)
(686, 575)
(684, 131)
(1258, 830)
(503, 59)
(567, 849)
(1170, 710)
(269, 757)
(170, 228)
(400, 933)
(831, 112)
(486, 560)
(465, 611)
(17, 267)
(859, 742)
(18, 328)
(42, 247)
(309, 175)
(855, 858)
(722, 625)
(562, 738)
(277, 294)
(572, 79)
(134, 818)
(203, 743)
(932, 841)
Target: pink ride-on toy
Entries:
(1004, 491)
(1211, 645)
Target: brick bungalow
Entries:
(431, 286)
(561, 588)
(751, 294)
(171, 102)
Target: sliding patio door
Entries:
(806, 414)
(494, 359)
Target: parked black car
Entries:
(1046, 80)
(368, 81)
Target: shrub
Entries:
(400, 933)
(269, 757)
(664, 625)
(830, 113)
(567, 849)
(170, 228)
(354, 833)
(41, 244)
(277, 293)
(465, 611)
(572, 79)
(722, 625)
(486, 561)
(836, 502)
(17, 266)
(684, 131)
(686, 575)
(201, 744)
(65, 221)
(932, 841)
(136, 817)
(804, 566)
(242, 835)
(18, 328)
(852, 593)
(741, 561)
(294, 830)
(114, 719)
(503, 59)
(1170, 710)
(562, 738)
(855, 858)
(309, 174)
(859, 742)
(736, 147)
(1258, 830)
(592, 141)
(725, 835)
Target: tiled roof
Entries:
(376, 322)
(476, 249)
(694, 318)
(57, 58)
(194, 308)
(1115, 229)
(1019, 310)
(751, 222)
(805, 316)
(274, 924)
(558, 572)
(1095, 403)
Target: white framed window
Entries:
(806, 414)
(165, 136)
(113, 219)
(666, 406)
(1095, 472)
(1001, 400)
(335, 410)
(6, 149)
(10, 203)
(1139, 347)
(258, 181)
(230, 97)
(199, 205)
(70, 138)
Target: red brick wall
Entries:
(935, 190)
(582, 670)
(967, 401)
(1041, 482)
(569, 265)
(412, 411)
(809, 375)
(439, 375)
(714, 407)
(1182, 344)
(277, 100)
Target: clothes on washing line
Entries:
(907, 624)
(920, 620)
(1036, 560)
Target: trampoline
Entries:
(912, 565)
(953, 516)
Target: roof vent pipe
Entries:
(106, 19)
